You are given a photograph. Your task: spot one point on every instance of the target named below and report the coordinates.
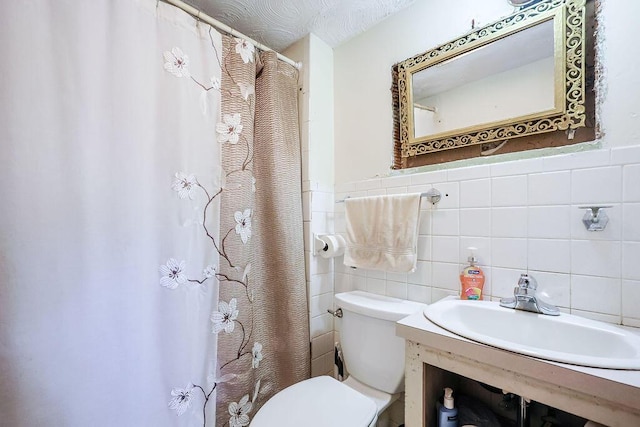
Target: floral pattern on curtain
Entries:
(110, 210)
(270, 349)
(257, 355)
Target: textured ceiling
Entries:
(279, 23)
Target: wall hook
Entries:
(595, 218)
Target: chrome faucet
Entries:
(524, 298)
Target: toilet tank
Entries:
(373, 354)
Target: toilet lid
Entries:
(316, 402)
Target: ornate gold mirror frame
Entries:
(569, 57)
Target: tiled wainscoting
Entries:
(523, 216)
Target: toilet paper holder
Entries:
(319, 245)
(325, 245)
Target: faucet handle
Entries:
(527, 282)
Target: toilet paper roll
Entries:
(333, 246)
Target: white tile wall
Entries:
(630, 260)
(442, 274)
(550, 188)
(517, 168)
(422, 275)
(631, 299)
(625, 155)
(428, 177)
(549, 222)
(322, 344)
(475, 222)
(419, 293)
(553, 255)
(397, 289)
(509, 222)
(583, 288)
(595, 258)
(631, 185)
(475, 194)
(446, 222)
(509, 253)
(631, 220)
(472, 172)
(424, 247)
(318, 215)
(509, 191)
(446, 248)
(596, 185)
(523, 216)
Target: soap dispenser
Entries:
(471, 279)
(447, 412)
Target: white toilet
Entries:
(374, 357)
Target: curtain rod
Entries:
(227, 29)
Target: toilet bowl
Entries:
(374, 357)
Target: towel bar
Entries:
(433, 196)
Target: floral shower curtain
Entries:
(266, 296)
(109, 162)
(122, 219)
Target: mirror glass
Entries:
(508, 78)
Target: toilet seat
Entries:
(317, 402)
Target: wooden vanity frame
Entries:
(610, 397)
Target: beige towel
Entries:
(382, 232)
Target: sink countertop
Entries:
(619, 387)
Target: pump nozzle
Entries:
(472, 257)
(448, 398)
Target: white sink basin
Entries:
(564, 338)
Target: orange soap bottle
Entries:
(471, 279)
